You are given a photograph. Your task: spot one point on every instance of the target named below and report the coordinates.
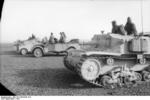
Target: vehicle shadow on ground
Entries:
(9, 53)
(52, 78)
(14, 54)
(32, 56)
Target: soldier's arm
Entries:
(134, 29)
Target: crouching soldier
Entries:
(118, 29)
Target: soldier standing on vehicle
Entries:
(130, 27)
(45, 40)
(62, 37)
(51, 39)
(60, 40)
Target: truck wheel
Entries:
(38, 52)
(23, 51)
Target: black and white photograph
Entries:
(75, 47)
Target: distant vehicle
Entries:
(25, 47)
(40, 50)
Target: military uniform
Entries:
(130, 28)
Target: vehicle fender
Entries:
(22, 49)
(38, 46)
(71, 47)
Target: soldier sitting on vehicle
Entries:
(117, 29)
(51, 39)
(45, 40)
(130, 27)
(62, 37)
(32, 37)
(56, 40)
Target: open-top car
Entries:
(40, 50)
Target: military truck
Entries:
(40, 50)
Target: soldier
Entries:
(33, 36)
(51, 39)
(115, 27)
(45, 40)
(62, 37)
(118, 29)
(56, 40)
(130, 27)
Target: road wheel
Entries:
(23, 51)
(127, 80)
(138, 77)
(38, 52)
(146, 76)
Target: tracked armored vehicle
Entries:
(112, 60)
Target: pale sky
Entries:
(77, 18)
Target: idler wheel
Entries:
(90, 69)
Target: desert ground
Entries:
(27, 75)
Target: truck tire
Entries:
(23, 51)
(38, 52)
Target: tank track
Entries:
(76, 65)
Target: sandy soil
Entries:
(26, 75)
